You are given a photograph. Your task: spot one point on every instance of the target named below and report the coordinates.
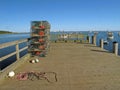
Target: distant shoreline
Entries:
(5, 32)
(8, 32)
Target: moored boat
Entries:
(110, 36)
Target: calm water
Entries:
(12, 37)
(109, 46)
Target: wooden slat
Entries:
(23, 48)
(12, 43)
(7, 44)
(37, 50)
(7, 56)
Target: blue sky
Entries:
(68, 15)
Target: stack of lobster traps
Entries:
(40, 38)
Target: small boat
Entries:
(110, 36)
(106, 42)
(95, 32)
(118, 33)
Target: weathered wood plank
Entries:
(23, 49)
(7, 56)
(12, 43)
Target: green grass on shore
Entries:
(4, 32)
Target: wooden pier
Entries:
(78, 67)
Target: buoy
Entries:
(42, 27)
(41, 33)
(41, 40)
(33, 61)
(37, 53)
(11, 74)
(41, 47)
(36, 60)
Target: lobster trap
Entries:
(40, 38)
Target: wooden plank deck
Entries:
(78, 67)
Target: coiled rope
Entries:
(35, 75)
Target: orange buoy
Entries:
(41, 40)
(42, 27)
(37, 53)
(42, 47)
(41, 33)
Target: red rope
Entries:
(37, 75)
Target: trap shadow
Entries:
(100, 51)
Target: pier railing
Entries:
(17, 51)
(69, 37)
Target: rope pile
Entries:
(35, 75)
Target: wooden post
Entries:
(89, 39)
(68, 37)
(94, 39)
(77, 37)
(115, 48)
(17, 51)
(102, 43)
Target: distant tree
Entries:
(4, 32)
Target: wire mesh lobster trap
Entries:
(40, 38)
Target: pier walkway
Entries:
(78, 67)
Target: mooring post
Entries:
(94, 39)
(17, 51)
(89, 39)
(115, 48)
(102, 43)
